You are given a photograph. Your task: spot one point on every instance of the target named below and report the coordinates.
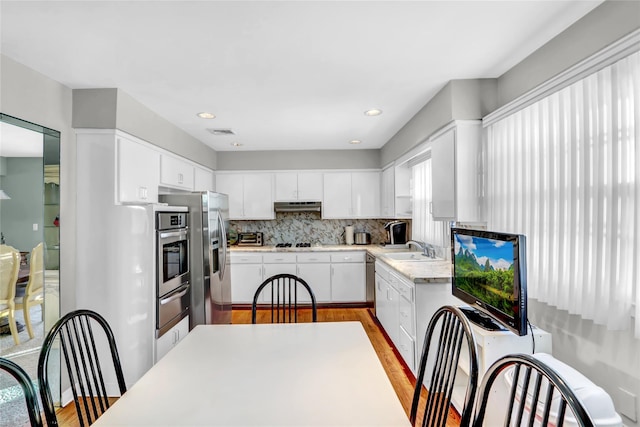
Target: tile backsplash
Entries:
(295, 227)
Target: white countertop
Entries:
(419, 273)
(305, 374)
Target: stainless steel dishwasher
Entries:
(371, 282)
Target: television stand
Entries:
(481, 319)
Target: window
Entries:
(423, 227)
(565, 171)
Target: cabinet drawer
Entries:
(277, 258)
(312, 257)
(382, 270)
(405, 313)
(245, 258)
(348, 257)
(406, 347)
(405, 290)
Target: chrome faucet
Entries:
(427, 249)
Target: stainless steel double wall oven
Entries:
(173, 284)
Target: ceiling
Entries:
(283, 75)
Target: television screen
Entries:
(489, 272)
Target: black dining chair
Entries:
(446, 333)
(77, 337)
(30, 394)
(538, 395)
(283, 295)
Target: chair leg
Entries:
(13, 328)
(27, 319)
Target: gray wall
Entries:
(114, 109)
(24, 183)
(28, 95)
(291, 160)
(604, 25)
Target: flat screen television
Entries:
(490, 274)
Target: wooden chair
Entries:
(30, 394)
(9, 270)
(532, 381)
(282, 297)
(34, 291)
(78, 346)
(449, 329)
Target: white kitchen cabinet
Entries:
(250, 194)
(387, 193)
(456, 166)
(277, 263)
(351, 195)
(298, 186)
(348, 281)
(176, 172)
(403, 190)
(395, 309)
(315, 269)
(246, 276)
(203, 179)
(171, 338)
(138, 170)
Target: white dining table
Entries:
(305, 374)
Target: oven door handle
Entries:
(182, 291)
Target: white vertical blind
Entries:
(565, 171)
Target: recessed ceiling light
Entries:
(236, 144)
(355, 141)
(205, 115)
(373, 112)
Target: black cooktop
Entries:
(297, 245)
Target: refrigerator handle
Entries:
(223, 246)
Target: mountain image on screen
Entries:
(484, 269)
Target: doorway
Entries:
(29, 216)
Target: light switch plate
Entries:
(35, 227)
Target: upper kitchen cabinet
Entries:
(250, 194)
(203, 179)
(351, 195)
(387, 193)
(456, 166)
(176, 173)
(298, 186)
(138, 169)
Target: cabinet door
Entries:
(258, 196)
(365, 194)
(310, 186)
(443, 176)
(203, 179)
(231, 185)
(171, 338)
(348, 282)
(286, 186)
(245, 279)
(387, 194)
(336, 202)
(176, 173)
(138, 172)
(318, 277)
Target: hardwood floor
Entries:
(401, 379)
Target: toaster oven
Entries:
(250, 239)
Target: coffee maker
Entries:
(396, 232)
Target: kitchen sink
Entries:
(408, 256)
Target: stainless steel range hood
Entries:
(297, 206)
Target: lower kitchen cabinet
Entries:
(246, 276)
(348, 274)
(171, 338)
(395, 309)
(333, 276)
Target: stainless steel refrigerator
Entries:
(210, 272)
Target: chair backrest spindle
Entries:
(284, 305)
